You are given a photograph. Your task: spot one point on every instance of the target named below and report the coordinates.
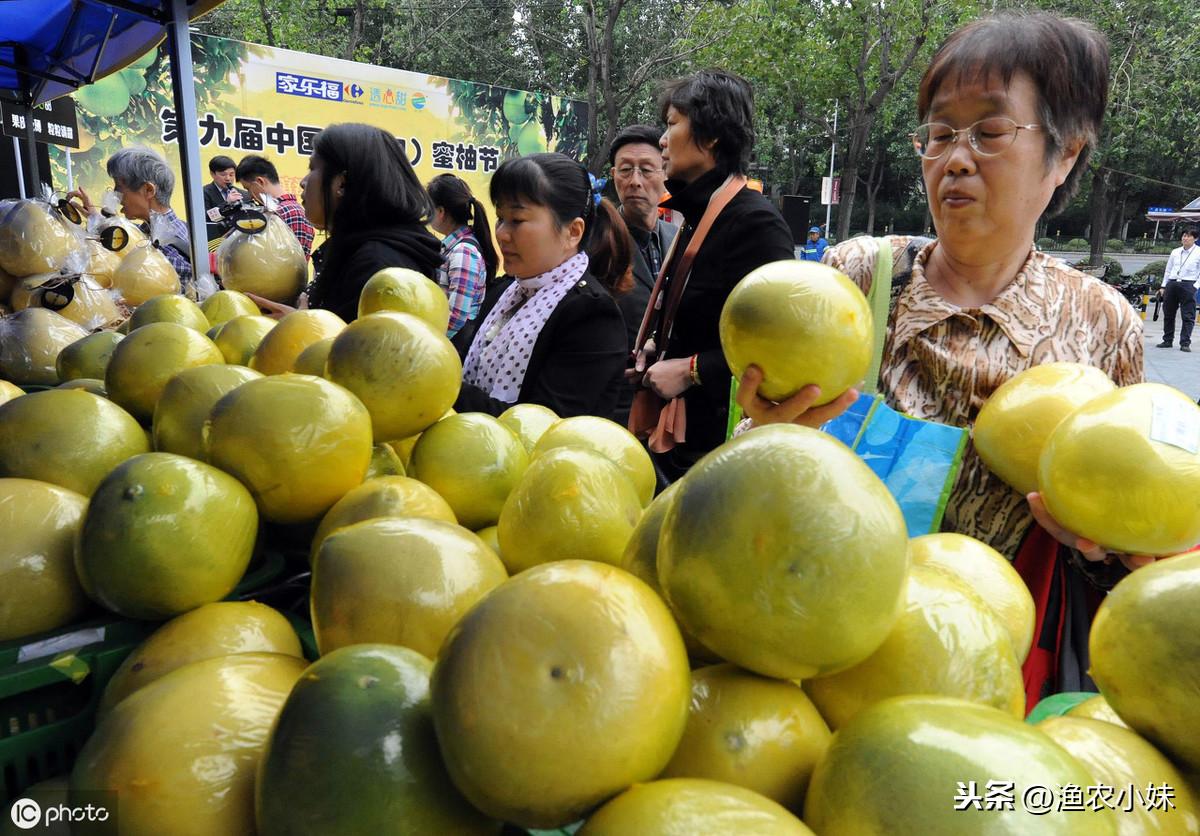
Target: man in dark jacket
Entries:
(219, 192)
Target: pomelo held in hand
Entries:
(800, 322)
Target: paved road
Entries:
(1170, 365)
(1130, 262)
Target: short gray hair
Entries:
(137, 165)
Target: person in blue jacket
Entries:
(815, 246)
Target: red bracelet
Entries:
(693, 371)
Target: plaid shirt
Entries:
(463, 275)
(293, 215)
(180, 259)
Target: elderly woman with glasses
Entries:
(1010, 108)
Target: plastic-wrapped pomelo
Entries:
(279, 348)
(363, 715)
(474, 462)
(82, 301)
(88, 384)
(745, 729)
(1097, 708)
(693, 806)
(269, 263)
(800, 322)
(30, 341)
(405, 291)
(299, 443)
(948, 642)
(147, 358)
(133, 235)
(224, 305)
(8, 391)
(1143, 648)
(38, 587)
(568, 664)
(241, 336)
(384, 462)
(383, 496)
(33, 240)
(185, 404)
(67, 437)
(610, 440)
(571, 504)
(989, 574)
(1123, 470)
(1117, 757)
(1016, 420)
(405, 371)
(87, 356)
(398, 581)
(143, 274)
(783, 553)
(312, 359)
(222, 628)
(182, 752)
(165, 534)
(529, 421)
(170, 308)
(102, 263)
(902, 766)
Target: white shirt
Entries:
(1183, 265)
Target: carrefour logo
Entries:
(417, 101)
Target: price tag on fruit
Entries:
(1173, 422)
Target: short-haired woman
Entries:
(470, 259)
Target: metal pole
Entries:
(183, 81)
(832, 151)
(1156, 223)
(20, 165)
(70, 172)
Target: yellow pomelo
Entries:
(312, 359)
(398, 581)
(1123, 470)
(384, 462)
(278, 350)
(269, 263)
(691, 806)
(404, 370)
(383, 496)
(783, 553)
(800, 322)
(571, 504)
(185, 404)
(529, 421)
(170, 308)
(1016, 420)
(87, 384)
(989, 574)
(67, 437)
(474, 462)
(610, 440)
(38, 587)
(47, 794)
(87, 357)
(490, 537)
(144, 361)
(181, 753)
(30, 341)
(902, 766)
(133, 233)
(362, 716)
(239, 338)
(947, 642)
(758, 733)
(219, 629)
(1144, 644)
(405, 291)
(33, 240)
(1097, 708)
(583, 683)
(8, 391)
(1119, 758)
(404, 447)
(102, 263)
(299, 443)
(84, 302)
(144, 273)
(224, 305)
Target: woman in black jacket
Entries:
(362, 190)
(555, 336)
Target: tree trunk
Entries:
(593, 80)
(1100, 213)
(356, 29)
(858, 139)
(266, 19)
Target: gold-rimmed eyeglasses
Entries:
(625, 172)
(988, 137)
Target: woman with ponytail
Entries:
(469, 257)
(554, 336)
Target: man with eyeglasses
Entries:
(637, 174)
(1178, 291)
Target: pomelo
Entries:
(610, 440)
(529, 421)
(38, 587)
(403, 369)
(384, 462)
(398, 581)
(68, 437)
(8, 391)
(362, 714)
(84, 302)
(1123, 470)
(405, 291)
(186, 401)
(800, 322)
(240, 337)
(531, 139)
(783, 553)
(383, 496)
(490, 537)
(87, 356)
(87, 384)
(33, 240)
(144, 273)
(269, 263)
(516, 107)
(279, 348)
(571, 504)
(224, 305)
(525, 692)
(102, 263)
(312, 359)
(170, 307)
(144, 361)
(30, 341)
(165, 534)
(107, 97)
(1097, 708)
(473, 462)
(299, 443)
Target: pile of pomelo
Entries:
(510, 627)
